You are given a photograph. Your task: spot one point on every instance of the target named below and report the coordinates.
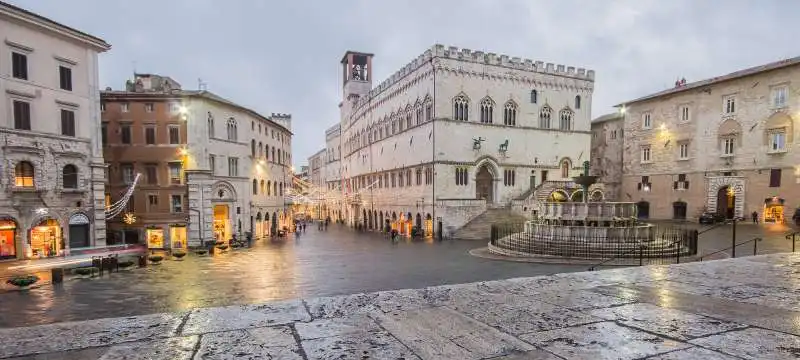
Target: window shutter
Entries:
(639, 186)
(686, 185)
(674, 185)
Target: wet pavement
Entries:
(744, 308)
(335, 262)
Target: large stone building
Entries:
(455, 132)
(211, 168)
(607, 152)
(316, 164)
(724, 145)
(53, 171)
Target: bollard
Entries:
(142, 261)
(57, 275)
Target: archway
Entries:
(484, 184)
(418, 223)
(45, 239)
(78, 231)
(369, 224)
(643, 209)
(557, 196)
(597, 196)
(273, 223)
(428, 225)
(577, 196)
(679, 210)
(726, 199)
(364, 218)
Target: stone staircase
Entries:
(479, 228)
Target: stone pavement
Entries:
(744, 308)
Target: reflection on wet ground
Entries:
(335, 262)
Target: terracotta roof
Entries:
(98, 41)
(189, 93)
(607, 117)
(734, 75)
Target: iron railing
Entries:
(794, 235)
(662, 245)
(754, 240)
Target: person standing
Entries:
(755, 217)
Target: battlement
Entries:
(334, 130)
(280, 116)
(453, 52)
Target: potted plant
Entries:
(179, 254)
(126, 264)
(86, 271)
(222, 247)
(155, 259)
(23, 281)
(201, 252)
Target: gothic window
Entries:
(269, 188)
(260, 149)
(419, 114)
(419, 176)
(544, 117)
(462, 175)
(577, 101)
(255, 187)
(565, 119)
(233, 133)
(400, 178)
(400, 124)
(253, 148)
(23, 174)
(461, 108)
(428, 109)
(263, 187)
(487, 110)
(510, 114)
(409, 124)
(534, 97)
(69, 177)
(428, 175)
(408, 177)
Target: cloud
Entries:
(283, 56)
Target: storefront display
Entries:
(773, 210)
(8, 232)
(45, 239)
(222, 227)
(177, 235)
(155, 238)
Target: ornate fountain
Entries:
(584, 230)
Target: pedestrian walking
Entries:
(304, 226)
(755, 217)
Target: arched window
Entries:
(565, 169)
(279, 158)
(253, 148)
(461, 108)
(510, 114)
(409, 124)
(269, 188)
(400, 125)
(273, 154)
(260, 149)
(487, 111)
(263, 186)
(210, 124)
(233, 133)
(544, 117)
(23, 174)
(565, 119)
(420, 118)
(69, 177)
(280, 188)
(428, 109)
(275, 188)
(577, 101)
(255, 187)
(534, 97)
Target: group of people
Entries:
(300, 225)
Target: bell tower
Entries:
(356, 74)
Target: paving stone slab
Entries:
(371, 344)
(754, 343)
(672, 323)
(442, 333)
(255, 343)
(244, 316)
(529, 355)
(581, 299)
(345, 305)
(605, 340)
(517, 315)
(693, 353)
(77, 335)
(335, 326)
(177, 348)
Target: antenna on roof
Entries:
(201, 85)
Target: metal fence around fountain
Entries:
(661, 245)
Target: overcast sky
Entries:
(283, 56)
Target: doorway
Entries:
(484, 182)
(679, 210)
(725, 200)
(222, 223)
(643, 210)
(78, 231)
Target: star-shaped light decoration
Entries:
(129, 218)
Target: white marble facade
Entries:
(464, 125)
(238, 169)
(52, 170)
